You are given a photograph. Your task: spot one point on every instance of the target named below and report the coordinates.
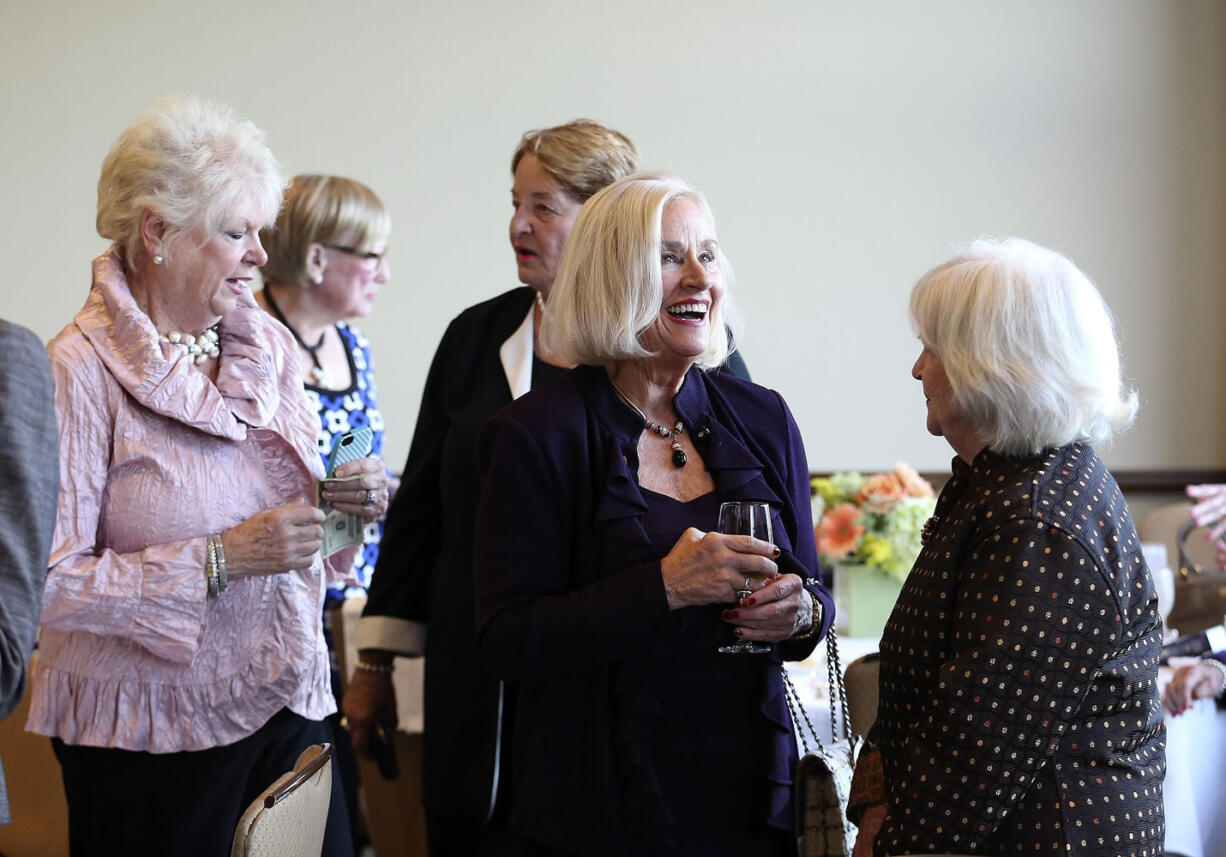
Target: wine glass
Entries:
(746, 518)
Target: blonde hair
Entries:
(583, 156)
(609, 287)
(1028, 346)
(325, 210)
(190, 161)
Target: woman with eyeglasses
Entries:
(326, 262)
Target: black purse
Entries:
(822, 781)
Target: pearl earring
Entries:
(157, 260)
(317, 279)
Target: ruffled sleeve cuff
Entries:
(168, 619)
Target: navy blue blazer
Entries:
(570, 597)
(424, 572)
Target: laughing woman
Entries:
(601, 591)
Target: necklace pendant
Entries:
(679, 456)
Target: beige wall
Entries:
(845, 147)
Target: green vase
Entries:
(863, 599)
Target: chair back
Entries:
(862, 691)
(288, 819)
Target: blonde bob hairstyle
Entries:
(1028, 346)
(193, 163)
(324, 210)
(583, 156)
(609, 288)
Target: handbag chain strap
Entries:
(838, 698)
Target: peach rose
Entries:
(914, 484)
(880, 493)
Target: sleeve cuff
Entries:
(392, 635)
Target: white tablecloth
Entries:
(1193, 792)
(811, 679)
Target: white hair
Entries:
(190, 161)
(609, 288)
(1028, 346)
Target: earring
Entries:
(317, 279)
(157, 260)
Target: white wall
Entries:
(845, 147)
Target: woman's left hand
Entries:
(775, 612)
(365, 496)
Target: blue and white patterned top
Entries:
(342, 410)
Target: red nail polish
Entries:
(739, 632)
(730, 614)
(776, 552)
(750, 601)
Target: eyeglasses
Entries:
(371, 259)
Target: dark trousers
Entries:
(186, 803)
(465, 836)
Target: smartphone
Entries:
(350, 446)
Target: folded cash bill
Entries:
(340, 530)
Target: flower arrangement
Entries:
(875, 520)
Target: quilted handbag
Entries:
(1200, 593)
(822, 782)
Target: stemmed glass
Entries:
(746, 518)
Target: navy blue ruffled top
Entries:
(710, 748)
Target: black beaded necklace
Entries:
(679, 456)
(318, 376)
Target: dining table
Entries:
(1193, 791)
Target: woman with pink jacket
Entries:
(182, 666)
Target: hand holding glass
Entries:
(746, 518)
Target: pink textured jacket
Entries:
(153, 459)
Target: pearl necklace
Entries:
(205, 346)
(679, 456)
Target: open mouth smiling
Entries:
(692, 311)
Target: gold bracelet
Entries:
(816, 619)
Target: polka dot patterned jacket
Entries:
(1019, 710)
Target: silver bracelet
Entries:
(222, 581)
(373, 668)
(1221, 668)
(210, 567)
(215, 566)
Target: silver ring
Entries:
(748, 583)
(370, 497)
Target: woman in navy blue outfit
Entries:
(601, 592)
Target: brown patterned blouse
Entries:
(1019, 709)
